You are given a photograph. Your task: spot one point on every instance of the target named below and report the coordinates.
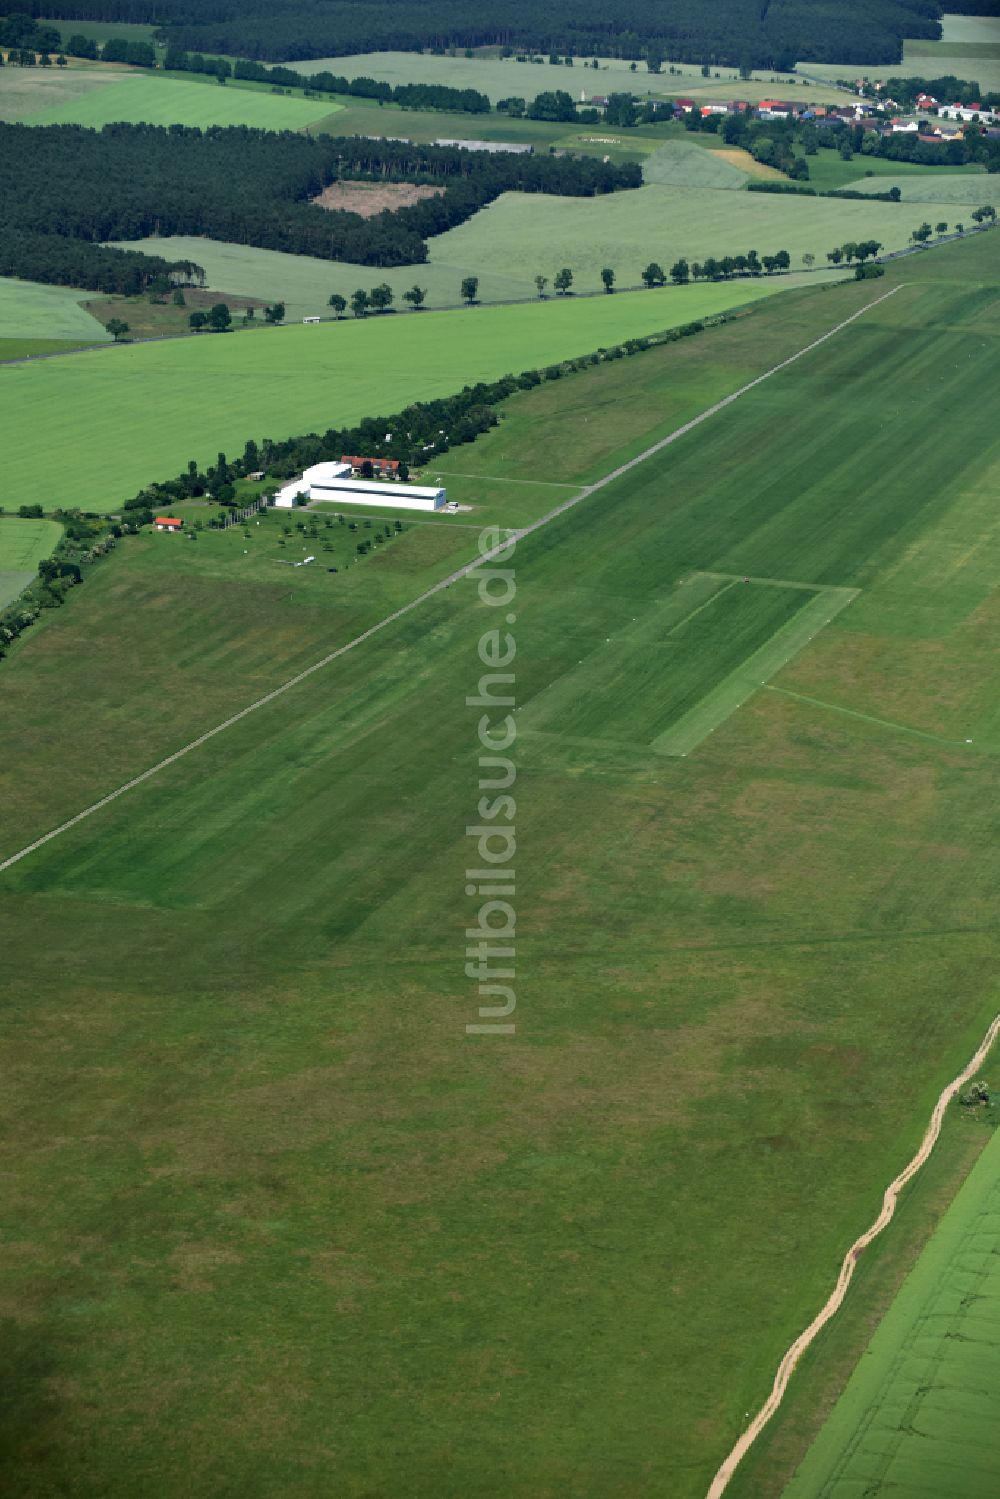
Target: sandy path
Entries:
(833, 1302)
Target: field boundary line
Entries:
(834, 1301)
(502, 547)
(885, 723)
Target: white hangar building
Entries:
(333, 482)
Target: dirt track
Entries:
(834, 1300)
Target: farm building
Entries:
(333, 482)
(168, 523)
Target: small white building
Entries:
(333, 482)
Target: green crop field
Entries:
(210, 391)
(828, 170)
(305, 283)
(970, 30)
(501, 78)
(969, 48)
(918, 1417)
(23, 544)
(30, 310)
(29, 91)
(684, 164)
(627, 230)
(276, 1223)
(155, 100)
(966, 190)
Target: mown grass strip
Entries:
(723, 700)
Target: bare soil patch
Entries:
(370, 198)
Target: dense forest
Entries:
(65, 189)
(758, 33)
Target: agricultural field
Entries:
(627, 230)
(684, 164)
(869, 173)
(30, 310)
(501, 78)
(969, 48)
(23, 544)
(149, 98)
(976, 31)
(30, 91)
(215, 391)
(31, 348)
(918, 1415)
(966, 190)
(305, 283)
(284, 1180)
(364, 117)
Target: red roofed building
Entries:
(386, 468)
(168, 523)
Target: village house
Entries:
(168, 523)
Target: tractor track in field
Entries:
(835, 1299)
(502, 547)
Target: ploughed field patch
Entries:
(371, 198)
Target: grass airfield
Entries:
(265, 1186)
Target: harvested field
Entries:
(370, 198)
(735, 156)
